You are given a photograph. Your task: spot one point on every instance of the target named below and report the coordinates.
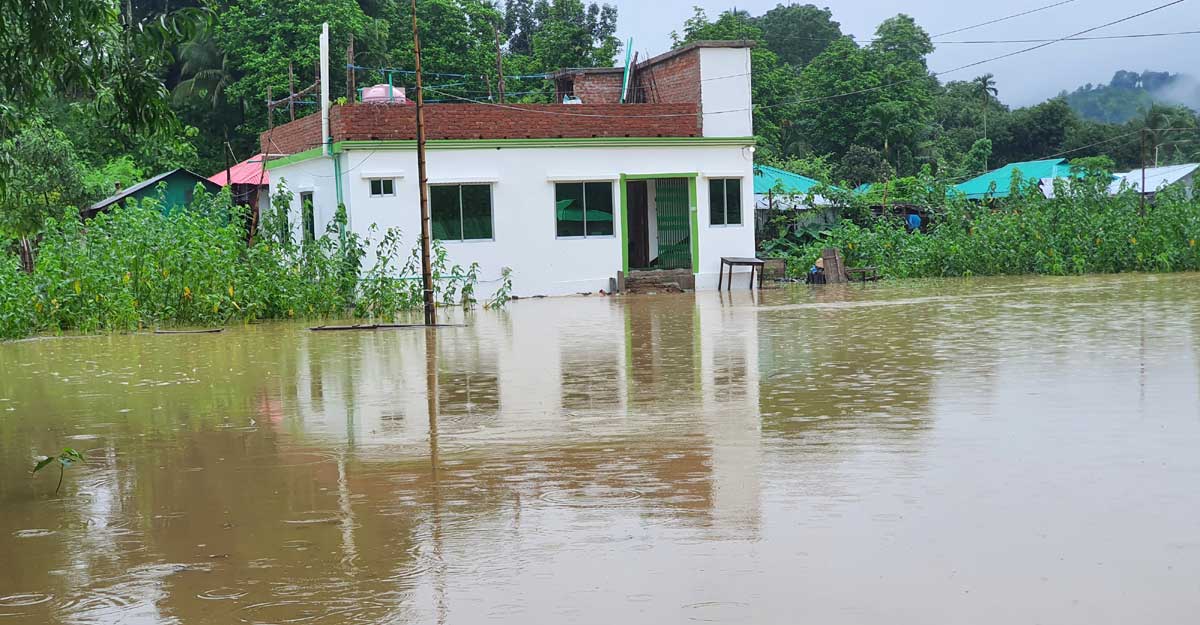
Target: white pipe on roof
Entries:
(325, 146)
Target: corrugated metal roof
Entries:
(249, 171)
(1156, 177)
(767, 179)
(127, 191)
(980, 187)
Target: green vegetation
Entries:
(135, 267)
(901, 118)
(1082, 230)
(65, 460)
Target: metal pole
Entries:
(1142, 189)
(350, 71)
(270, 109)
(423, 181)
(291, 92)
(499, 64)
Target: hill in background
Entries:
(1130, 94)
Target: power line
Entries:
(1005, 18)
(978, 63)
(1002, 41)
(849, 93)
(1099, 38)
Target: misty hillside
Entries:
(1130, 94)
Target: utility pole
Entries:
(291, 92)
(350, 71)
(499, 63)
(1142, 189)
(423, 181)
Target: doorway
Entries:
(659, 219)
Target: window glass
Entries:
(599, 209)
(445, 214)
(307, 219)
(568, 209)
(733, 201)
(382, 186)
(476, 211)
(461, 212)
(716, 202)
(583, 209)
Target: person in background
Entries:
(914, 222)
(816, 275)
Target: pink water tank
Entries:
(378, 94)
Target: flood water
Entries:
(971, 451)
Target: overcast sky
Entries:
(1023, 79)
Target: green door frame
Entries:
(693, 215)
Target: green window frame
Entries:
(584, 210)
(724, 201)
(308, 221)
(461, 212)
(383, 187)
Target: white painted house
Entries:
(566, 195)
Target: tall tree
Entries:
(987, 90)
(797, 33)
(772, 83)
(46, 183)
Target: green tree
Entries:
(773, 83)
(569, 34)
(862, 164)
(260, 37)
(46, 182)
(987, 90)
(797, 33)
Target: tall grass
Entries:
(1082, 230)
(137, 267)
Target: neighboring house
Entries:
(1157, 179)
(180, 184)
(781, 190)
(998, 182)
(566, 195)
(778, 189)
(249, 182)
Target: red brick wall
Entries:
(292, 137)
(594, 88)
(531, 121)
(673, 80)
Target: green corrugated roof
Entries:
(978, 188)
(766, 178)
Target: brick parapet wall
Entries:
(372, 122)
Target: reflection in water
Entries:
(842, 454)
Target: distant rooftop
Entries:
(980, 187)
(1156, 177)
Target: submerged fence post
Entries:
(835, 273)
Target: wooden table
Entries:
(734, 261)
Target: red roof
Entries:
(249, 171)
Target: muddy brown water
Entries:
(970, 451)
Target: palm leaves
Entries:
(987, 89)
(207, 69)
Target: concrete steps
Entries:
(660, 281)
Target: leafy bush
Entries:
(1083, 230)
(135, 267)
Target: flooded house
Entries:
(624, 177)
